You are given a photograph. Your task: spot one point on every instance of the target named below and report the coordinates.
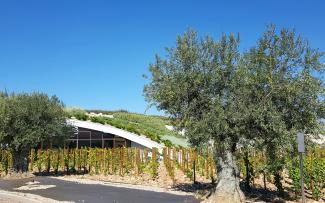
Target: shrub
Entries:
(154, 163)
(77, 113)
(314, 169)
(98, 119)
(6, 160)
(294, 175)
(40, 159)
(169, 163)
(31, 159)
(167, 143)
(55, 160)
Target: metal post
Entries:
(102, 140)
(90, 139)
(302, 178)
(301, 149)
(194, 178)
(78, 140)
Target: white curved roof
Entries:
(142, 140)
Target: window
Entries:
(96, 143)
(107, 135)
(119, 143)
(92, 138)
(108, 144)
(83, 143)
(96, 135)
(84, 135)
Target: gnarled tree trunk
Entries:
(20, 160)
(227, 189)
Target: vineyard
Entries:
(255, 166)
(121, 161)
(193, 163)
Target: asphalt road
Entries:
(70, 191)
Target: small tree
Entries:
(222, 97)
(26, 120)
(283, 91)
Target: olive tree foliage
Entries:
(194, 85)
(26, 120)
(284, 93)
(225, 97)
(270, 91)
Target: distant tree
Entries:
(26, 120)
(224, 98)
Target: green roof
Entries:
(153, 127)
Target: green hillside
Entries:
(153, 127)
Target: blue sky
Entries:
(92, 54)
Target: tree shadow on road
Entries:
(201, 190)
(190, 187)
(52, 173)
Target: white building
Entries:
(90, 134)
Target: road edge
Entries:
(125, 185)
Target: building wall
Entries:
(137, 145)
(92, 138)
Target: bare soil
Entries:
(14, 176)
(163, 180)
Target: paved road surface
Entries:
(9, 198)
(93, 193)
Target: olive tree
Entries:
(223, 97)
(26, 120)
(286, 93)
